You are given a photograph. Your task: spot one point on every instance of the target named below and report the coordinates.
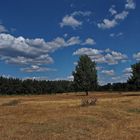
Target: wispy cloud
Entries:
(112, 10)
(72, 21)
(107, 24)
(116, 17)
(116, 34)
(3, 29)
(40, 78)
(108, 72)
(122, 15)
(36, 68)
(81, 13)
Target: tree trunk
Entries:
(86, 93)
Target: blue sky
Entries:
(43, 39)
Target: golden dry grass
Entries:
(60, 117)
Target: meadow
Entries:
(116, 116)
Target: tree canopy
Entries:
(135, 76)
(85, 74)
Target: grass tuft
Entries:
(11, 103)
(134, 110)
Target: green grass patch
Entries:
(134, 110)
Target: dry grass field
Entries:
(60, 117)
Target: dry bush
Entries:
(11, 103)
(89, 101)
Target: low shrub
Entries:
(89, 101)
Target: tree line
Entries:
(85, 79)
(119, 87)
(13, 86)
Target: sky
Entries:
(43, 39)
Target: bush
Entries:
(89, 101)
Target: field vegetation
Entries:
(61, 117)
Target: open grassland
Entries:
(60, 117)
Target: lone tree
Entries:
(85, 74)
(135, 77)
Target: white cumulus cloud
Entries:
(102, 56)
(72, 21)
(137, 56)
(89, 41)
(107, 24)
(33, 52)
(127, 70)
(122, 15)
(130, 4)
(3, 29)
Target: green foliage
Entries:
(134, 110)
(133, 83)
(135, 77)
(11, 86)
(85, 74)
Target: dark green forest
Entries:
(14, 86)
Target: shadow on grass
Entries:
(80, 95)
(11, 103)
(132, 95)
